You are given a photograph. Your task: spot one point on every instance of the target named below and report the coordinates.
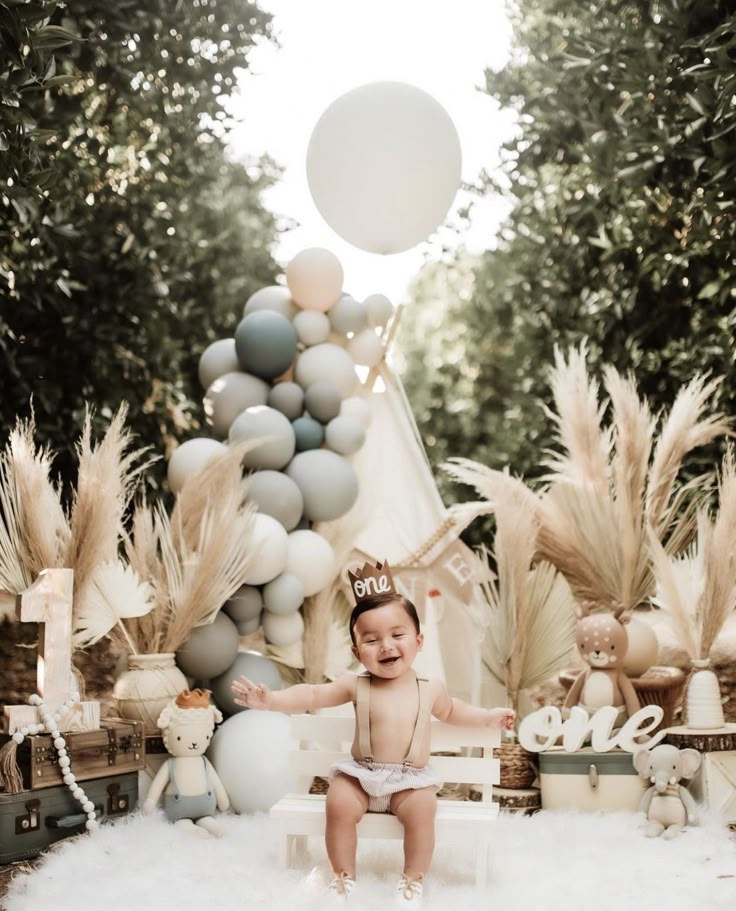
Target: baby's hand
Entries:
(252, 695)
(503, 719)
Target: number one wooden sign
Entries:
(48, 602)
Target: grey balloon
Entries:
(210, 649)
(265, 342)
(284, 595)
(288, 398)
(323, 400)
(283, 629)
(217, 359)
(275, 494)
(328, 483)
(262, 422)
(344, 435)
(308, 433)
(255, 667)
(348, 315)
(246, 604)
(231, 394)
(248, 627)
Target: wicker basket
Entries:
(518, 766)
(660, 686)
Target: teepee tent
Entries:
(402, 519)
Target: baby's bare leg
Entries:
(415, 809)
(346, 806)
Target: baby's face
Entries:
(386, 640)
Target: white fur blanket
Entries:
(553, 860)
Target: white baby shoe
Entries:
(341, 887)
(409, 891)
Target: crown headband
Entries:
(193, 699)
(371, 580)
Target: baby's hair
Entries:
(373, 601)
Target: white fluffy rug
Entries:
(554, 861)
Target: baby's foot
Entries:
(409, 891)
(341, 887)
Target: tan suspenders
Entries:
(362, 711)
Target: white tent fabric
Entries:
(402, 519)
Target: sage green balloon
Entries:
(322, 400)
(265, 342)
(344, 435)
(283, 595)
(210, 649)
(245, 604)
(217, 359)
(255, 667)
(328, 483)
(248, 627)
(231, 394)
(308, 433)
(348, 315)
(270, 425)
(288, 398)
(276, 495)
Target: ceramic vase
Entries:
(703, 706)
(141, 692)
(643, 648)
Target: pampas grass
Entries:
(195, 559)
(697, 591)
(607, 487)
(37, 533)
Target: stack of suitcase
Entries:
(106, 763)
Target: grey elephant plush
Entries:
(668, 805)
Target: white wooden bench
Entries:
(302, 814)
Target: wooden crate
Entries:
(116, 748)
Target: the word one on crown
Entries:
(379, 585)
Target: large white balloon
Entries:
(383, 166)
(250, 753)
(269, 546)
(189, 457)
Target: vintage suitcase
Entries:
(586, 780)
(31, 821)
(117, 747)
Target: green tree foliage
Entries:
(623, 180)
(129, 238)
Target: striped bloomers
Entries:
(382, 779)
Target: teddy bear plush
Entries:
(667, 804)
(191, 788)
(602, 642)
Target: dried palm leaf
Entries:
(15, 576)
(115, 593)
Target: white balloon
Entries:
(311, 327)
(250, 753)
(218, 359)
(189, 457)
(344, 435)
(270, 548)
(366, 348)
(355, 406)
(383, 166)
(379, 310)
(326, 362)
(273, 297)
(311, 559)
(282, 629)
(314, 278)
